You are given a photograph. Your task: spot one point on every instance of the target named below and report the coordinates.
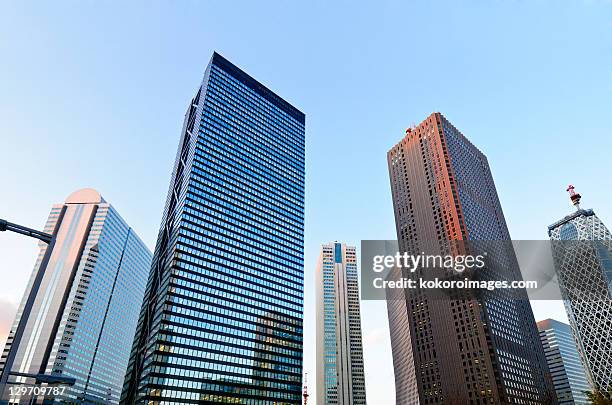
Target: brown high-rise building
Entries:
(461, 348)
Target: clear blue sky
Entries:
(92, 94)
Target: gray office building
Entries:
(87, 306)
(567, 372)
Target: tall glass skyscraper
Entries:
(568, 375)
(87, 304)
(582, 252)
(463, 349)
(222, 316)
(340, 374)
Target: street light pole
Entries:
(27, 308)
(9, 226)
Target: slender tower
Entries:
(87, 304)
(223, 310)
(582, 252)
(457, 350)
(340, 374)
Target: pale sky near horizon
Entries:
(92, 94)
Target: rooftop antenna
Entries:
(411, 128)
(574, 196)
(305, 391)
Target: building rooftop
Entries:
(85, 196)
(259, 88)
(578, 213)
(548, 323)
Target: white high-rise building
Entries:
(340, 376)
(582, 251)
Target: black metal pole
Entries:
(9, 226)
(27, 308)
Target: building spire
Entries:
(574, 196)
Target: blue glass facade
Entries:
(111, 286)
(222, 316)
(88, 304)
(566, 370)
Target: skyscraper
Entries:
(223, 309)
(464, 349)
(87, 304)
(582, 252)
(568, 375)
(340, 375)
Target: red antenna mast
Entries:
(305, 392)
(574, 196)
